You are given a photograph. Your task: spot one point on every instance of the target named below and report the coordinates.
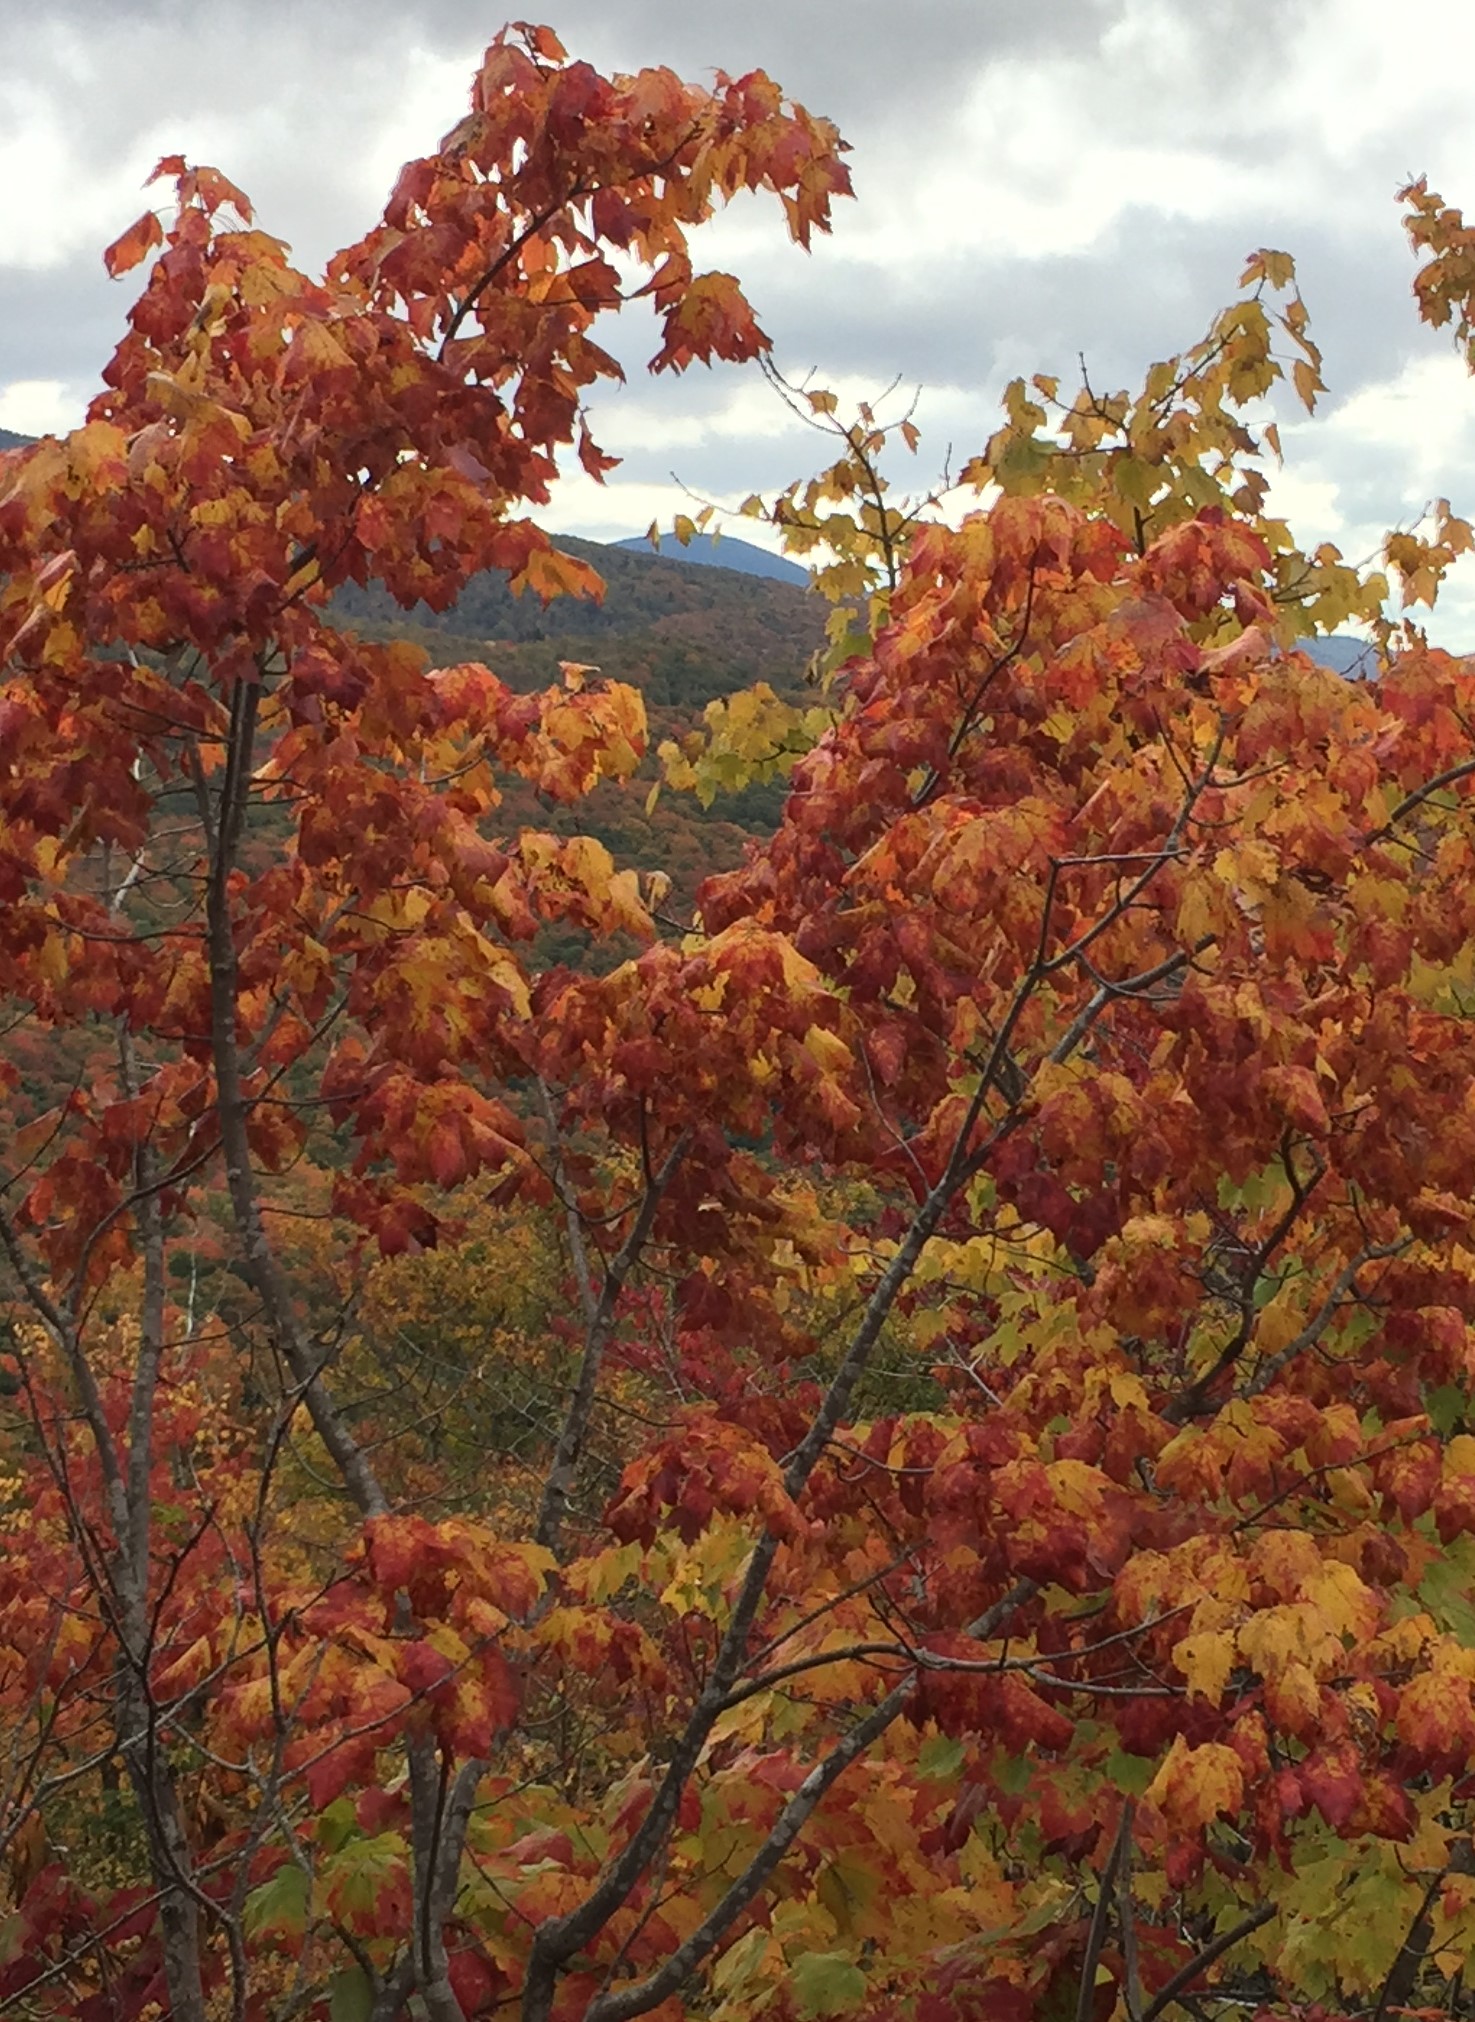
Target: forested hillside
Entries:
(682, 636)
(765, 626)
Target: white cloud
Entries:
(1378, 461)
(1354, 80)
(1422, 422)
(40, 406)
(51, 212)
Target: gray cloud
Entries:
(1037, 178)
(58, 323)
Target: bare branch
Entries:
(1184, 1978)
(1100, 1918)
(1410, 801)
(684, 1961)
(1316, 1326)
(258, 1257)
(573, 1222)
(553, 1511)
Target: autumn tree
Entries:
(1022, 1235)
(246, 855)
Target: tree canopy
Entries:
(903, 1450)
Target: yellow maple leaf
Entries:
(1197, 1785)
(1348, 1605)
(1295, 1633)
(1206, 1660)
(1293, 1700)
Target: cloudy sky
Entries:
(1036, 179)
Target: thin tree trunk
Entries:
(259, 1262)
(170, 1856)
(436, 1835)
(149, 1770)
(558, 1487)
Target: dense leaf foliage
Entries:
(902, 1451)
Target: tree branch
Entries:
(1410, 801)
(1316, 1326)
(1184, 1978)
(689, 1954)
(1100, 1918)
(553, 1511)
(258, 1257)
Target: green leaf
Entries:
(740, 1961)
(1446, 1407)
(338, 1824)
(1137, 482)
(354, 1877)
(848, 1890)
(1266, 1288)
(1130, 1773)
(826, 1983)
(940, 1758)
(350, 1996)
(1446, 1588)
(279, 1907)
(1012, 1774)
(1260, 1190)
(1023, 462)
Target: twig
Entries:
(1100, 1917)
(1186, 1975)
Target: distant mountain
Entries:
(710, 553)
(1353, 657)
(773, 627)
(653, 595)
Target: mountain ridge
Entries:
(727, 552)
(655, 590)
